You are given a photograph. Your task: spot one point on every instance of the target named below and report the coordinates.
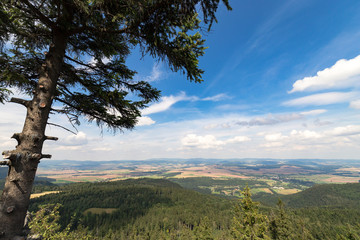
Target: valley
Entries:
(216, 176)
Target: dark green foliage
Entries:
(45, 223)
(145, 206)
(280, 225)
(340, 195)
(99, 35)
(204, 230)
(160, 209)
(248, 223)
(326, 222)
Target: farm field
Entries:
(215, 176)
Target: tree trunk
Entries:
(24, 160)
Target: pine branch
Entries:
(80, 63)
(39, 14)
(97, 30)
(56, 125)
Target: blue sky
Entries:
(282, 80)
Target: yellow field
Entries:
(267, 190)
(287, 191)
(36, 195)
(341, 179)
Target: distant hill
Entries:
(326, 195)
(43, 181)
(321, 195)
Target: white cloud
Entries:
(7, 144)
(272, 144)
(346, 131)
(92, 61)
(217, 97)
(144, 121)
(314, 112)
(274, 137)
(205, 142)
(105, 149)
(322, 99)
(355, 104)
(307, 134)
(232, 107)
(238, 139)
(271, 119)
(75, 140)
(210, 141)
(69, 148)
(344, 73)
(165, 103)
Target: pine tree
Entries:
(204, 231)
(45, 225)
(45, 48)
(280, 226)
(303, 232)
(248, 223)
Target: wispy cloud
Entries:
(209, 141)
(271, 119)
(165, 103)
(216, 98)
(264, 31)
(355, 104)
(155, 75)
(343, 74)
(319, 123)
(322, 99)
(314, 112)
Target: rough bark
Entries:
(24, 160)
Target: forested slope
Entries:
(160, 209)
(326, 195)
(144, 205)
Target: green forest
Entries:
(162, 209)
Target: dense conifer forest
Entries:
(161, 209)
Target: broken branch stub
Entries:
(20, 101)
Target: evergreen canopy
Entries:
(105, 31)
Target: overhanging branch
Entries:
(57, 125)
